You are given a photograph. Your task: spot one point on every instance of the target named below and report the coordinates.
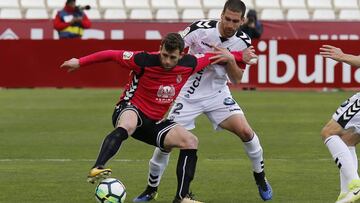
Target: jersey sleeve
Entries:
(124, 58)
(204, 60)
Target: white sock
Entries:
(157, 165)
(343, 159)
(352, 150)
(255, 153)
(343, 186)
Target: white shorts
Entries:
(217, 109)
(348, 114)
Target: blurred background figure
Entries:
(252, 25)
(71, 21)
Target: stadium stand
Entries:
(54, 4)
(167, 14)
(160, 4)
(93, 14)
(188, 4)
(272, 14)
(9, 4)
(324, 14)
(115, 14)
(36, 13)
(191, 14)
(298, 14)
(293, 4)
(141, 14)
(214, 13)
(139, 4)
(32, 4)
(349, 14)
(179, 9)
(111, 4)
(10, 13)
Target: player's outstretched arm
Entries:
(71, 64)
(337, 54)
(223, 55)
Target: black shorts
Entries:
(149, 131)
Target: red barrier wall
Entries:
(281, 64)
(32, 63)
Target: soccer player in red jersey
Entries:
(156, 80)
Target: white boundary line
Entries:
(146, 160)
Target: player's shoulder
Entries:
(244, 37)
(200, 25)
(188, 60)
(146, 59)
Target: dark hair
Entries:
(235, 6)
(172, 42)
(70, 1)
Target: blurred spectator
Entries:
(252, 26)
(71, 21)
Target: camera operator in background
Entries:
(252, 26)
(71, 21)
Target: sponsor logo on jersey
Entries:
(178, 78)
(195, 83)
(127, 55)
(229, 101)
(185, 32)
(206, 44)
(165, 94)
(199, 55)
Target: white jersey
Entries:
(348, 113)
(199, 37)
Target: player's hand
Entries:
(71, 64)
(222, 55)
(248, 56)
(332, 52)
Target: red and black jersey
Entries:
(151, 88)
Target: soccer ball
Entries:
(110, 190)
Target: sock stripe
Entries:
(338, 163)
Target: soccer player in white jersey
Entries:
(207, 92)
(342, 133)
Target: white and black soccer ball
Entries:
(110, 190)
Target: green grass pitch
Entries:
(49, 139)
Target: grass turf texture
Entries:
(49, 139)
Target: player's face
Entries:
(169, 59)
(230, 23)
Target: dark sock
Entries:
(185, 171)
(148, 190)
(110, 146)
(260, 179)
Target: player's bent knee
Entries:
(119, 133)
(325, 132)
(191, 142)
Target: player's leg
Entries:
(238, 125)
(125, 124)
(350, 139)
(225, 113)
(183, 113)
(337, 140)
(157, 165)
(179, 137)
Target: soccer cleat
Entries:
(188, 199)
(98, 173)
(264, 187)
(341, 196)
(146, 196)
(353, 194)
